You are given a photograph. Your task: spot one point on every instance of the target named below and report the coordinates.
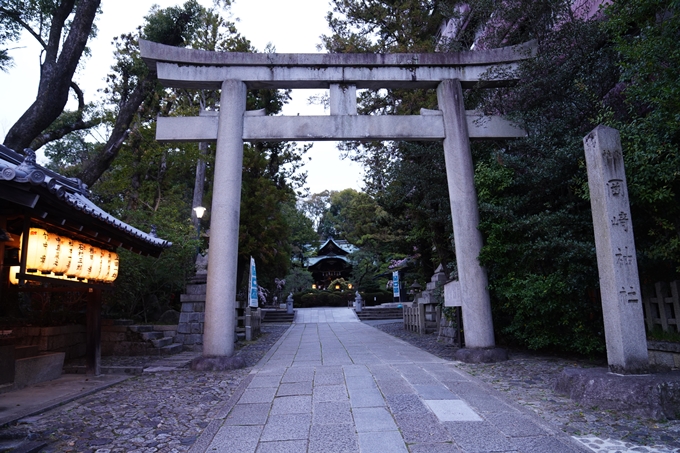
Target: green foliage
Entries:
(298, 280)
(315, 298)
(146, 286)
(645, 33)
(173, 26)
(539, 248)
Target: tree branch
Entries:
(96, 166)
(79, 94)
(52, 135)
(16, 17)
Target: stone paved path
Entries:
(333, 384)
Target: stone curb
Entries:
(209, 432)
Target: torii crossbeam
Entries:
(342, 74)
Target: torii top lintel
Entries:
(190, 68)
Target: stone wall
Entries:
(67, 339)
(664, 355)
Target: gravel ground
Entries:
(167, 411)
(152, 412)
(528, 380)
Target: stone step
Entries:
(276, 316)
(161, 342)
(140, 329)
(153, 335)
(174, 348)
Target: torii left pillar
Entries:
(477, 321)
(220, 302)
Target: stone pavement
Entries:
(333, 384)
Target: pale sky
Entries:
(292, 26)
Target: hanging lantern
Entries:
(113, 269)
(36, 256)
(106, 263)
(97, 264)
(13, 271)
(77, 256)
(55, 256)
(88, 262)
(63, 259)
(58, 255)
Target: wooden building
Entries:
(331, 262)
(53, 238)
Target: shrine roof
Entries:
(62, 204)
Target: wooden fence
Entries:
(662, 306)
(422, 318)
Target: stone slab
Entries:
(287, 427)
(236, 439)
(654, 395)
(292, 405)
(335, 438)
(452, 411)
(372, 419)
(33, 370)
(381, 442)
(332, 413)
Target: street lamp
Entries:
(199, 211)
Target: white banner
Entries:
(252, 286)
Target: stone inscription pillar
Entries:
(624, 327)
(218, 334)
(465, 215)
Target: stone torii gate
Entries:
(343, 74)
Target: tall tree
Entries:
(62, 28)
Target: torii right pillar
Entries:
(476, 304)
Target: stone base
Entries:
(217, 363)
(481, 355)
(34, 370)
(651, 395)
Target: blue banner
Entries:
(252, 287)
(395, 284)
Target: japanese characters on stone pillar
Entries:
(616, 260)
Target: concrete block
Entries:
(34, 370)
(196, 327)
(199, 307)
(195, 317)
(183, 328)
(196, 338)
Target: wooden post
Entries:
(93, 345)
(421, 318)
(248, 323)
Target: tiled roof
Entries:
(70, 194)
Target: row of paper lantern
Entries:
(52, 255)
